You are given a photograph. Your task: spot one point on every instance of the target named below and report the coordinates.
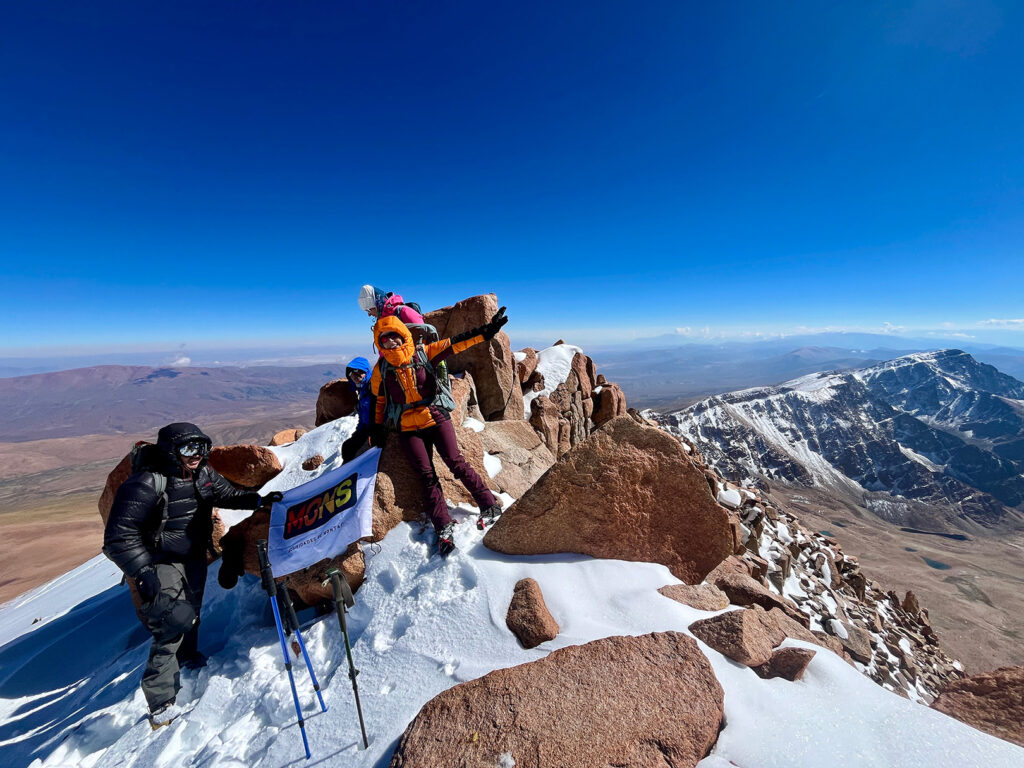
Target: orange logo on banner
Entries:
(312, 513)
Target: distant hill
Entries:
(111, 399)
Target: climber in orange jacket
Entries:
(412, 401)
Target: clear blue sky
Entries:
(188, 172)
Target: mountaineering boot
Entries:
(163, 715)
(488, 516)
(446, 539)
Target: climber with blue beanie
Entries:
(358, 374)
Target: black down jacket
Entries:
(130, 538)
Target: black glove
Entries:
(147, 583)
(487, 330)
(266, 501)
(378, 436)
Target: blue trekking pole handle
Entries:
(271, 587)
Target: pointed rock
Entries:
(627, 492)
(746, 636)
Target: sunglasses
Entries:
(391, 338)
(192, 449)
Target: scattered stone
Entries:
(746, 636)
(744, 590)
(286, 436)
(788, 663)
(703, 597)
(312, 462)
(528, 616)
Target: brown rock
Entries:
(579, 367)
(744, 590)
(857, 643)
(535, 383)
(746, 636)
(336, 399)
(247, 466)
(798, 631)
(528, 616)
(464, 396)
(627, 492)
(312, 462)
(992, 702)
(644, 702)
(703, 597)
(524, 458)
(286, 436)
(608, 403)
(526, 366)
(491, 362)
(910, 604)
(787, 663)
(544, 420)
(117, 475)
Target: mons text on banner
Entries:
(319, 519)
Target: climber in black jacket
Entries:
(161, 541)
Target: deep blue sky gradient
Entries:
(188, 172)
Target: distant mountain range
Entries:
(925, 439)
(129, 399)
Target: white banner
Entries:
(321, 518)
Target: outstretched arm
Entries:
(445, 348)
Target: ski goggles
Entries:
(193, 448)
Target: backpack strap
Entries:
(159, 482)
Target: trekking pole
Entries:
(343, 600)
(270, 586)
(293, 620)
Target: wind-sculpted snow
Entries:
(69, 683)
(922, 428)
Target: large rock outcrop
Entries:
(336, 399)
(247, 466)
(645, 702)
(992, 702)
(628, 492)
(492, 363)
(524, 457)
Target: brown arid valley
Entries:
(973, 589)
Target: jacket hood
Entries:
(179, 433)
(403, 354)
(371, 296)
(358, 364)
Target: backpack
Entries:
(443, 397)
(143, 459)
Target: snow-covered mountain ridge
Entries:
(936, 429)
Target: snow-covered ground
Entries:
(69, 683)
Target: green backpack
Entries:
(443, 397)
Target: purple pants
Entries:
(417, 446)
